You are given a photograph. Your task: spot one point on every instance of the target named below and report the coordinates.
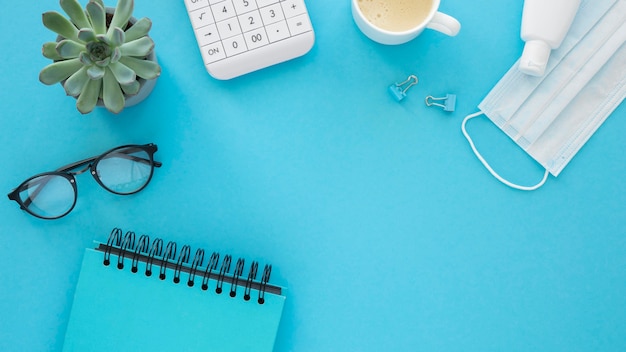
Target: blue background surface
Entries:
(387, 231)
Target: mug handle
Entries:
(445, 24)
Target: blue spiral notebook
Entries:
(152, 296)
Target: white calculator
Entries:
(240, 36)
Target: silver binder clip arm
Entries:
(449, 102)
(398, 90)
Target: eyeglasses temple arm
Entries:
(72, 166)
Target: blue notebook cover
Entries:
(175, 306)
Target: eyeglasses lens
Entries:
(48, 196)
(126, 170)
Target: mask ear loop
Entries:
(489, 168)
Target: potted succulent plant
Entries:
(102, 56)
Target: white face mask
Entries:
(552, 117)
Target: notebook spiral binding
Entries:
(124, 246)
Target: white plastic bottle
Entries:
(544, 26)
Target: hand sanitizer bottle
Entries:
(544, 26)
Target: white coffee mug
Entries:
(394, 22)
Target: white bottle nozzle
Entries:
(535, 57)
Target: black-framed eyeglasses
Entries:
(123, 170)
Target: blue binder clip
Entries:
(398, 90)
(449, 102)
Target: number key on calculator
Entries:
(240, 36)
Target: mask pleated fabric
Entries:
(553, 116)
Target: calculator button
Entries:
(207, 35)
(277, 31)
(243, 6)
(229, 28)
(201, 18)
(223, 10)
(293, 8)
(235, 45)
(250, 21)
(263, 3)
(256, 38)
(299, 24)
(196, 4)
(272, 14)
(213, 52)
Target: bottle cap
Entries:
(535, 57)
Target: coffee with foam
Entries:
(396, 15)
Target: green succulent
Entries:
(96, 57)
